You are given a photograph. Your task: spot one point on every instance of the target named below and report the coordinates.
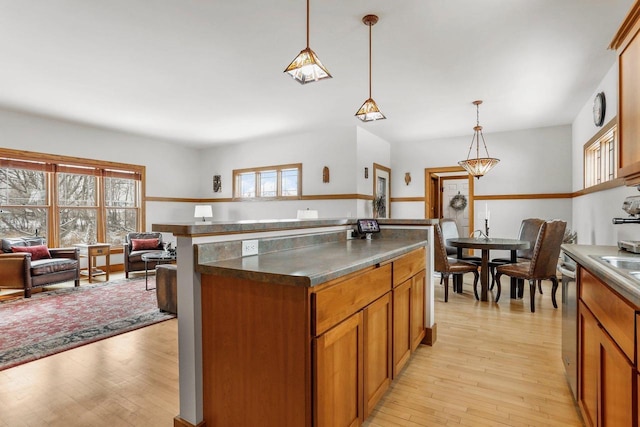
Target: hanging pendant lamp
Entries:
(369, 111)
(306, 67)
(480, 165)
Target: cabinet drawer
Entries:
(333, 304)
(408, 266)
(612, 312)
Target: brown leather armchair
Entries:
(19, 271)
(133, 258)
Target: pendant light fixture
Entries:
(306, 67)
(480, 165)
(369, 110)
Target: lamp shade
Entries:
(307, 68)
(203, 211)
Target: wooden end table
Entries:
(91, 251)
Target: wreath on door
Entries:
(458, 202)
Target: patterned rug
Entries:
(54, 321)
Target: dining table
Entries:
(485, 245)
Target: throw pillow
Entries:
(144, 244)
(37, 252)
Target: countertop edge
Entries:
(309, 280)
(586, 256)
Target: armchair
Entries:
(134, 248)
(21, 270)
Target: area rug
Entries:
(54, 321)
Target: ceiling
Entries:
(205, 72)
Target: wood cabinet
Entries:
(338, 375)
(607, 376)
(377, 326)
(401, 326)
(627, 43)
(282, 355)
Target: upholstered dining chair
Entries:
(543, 264)
(450, 266)
(450, 231)
(529, 229)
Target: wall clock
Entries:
(599, 107)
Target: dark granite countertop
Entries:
(618, 279)
(312, 265)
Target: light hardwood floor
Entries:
(493, 365)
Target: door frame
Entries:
(432, 175)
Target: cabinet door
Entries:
(338, 398)
(417, 309)
(589, 364)
(606, 376)
(616, 385)
(377, 351)
(401, 326)
(629, 104)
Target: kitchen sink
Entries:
(626, 263)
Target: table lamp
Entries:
(203, 211)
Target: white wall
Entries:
(171, 169)
(345, 151)
(532, 161)
(592, 213)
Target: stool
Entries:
(167, 287)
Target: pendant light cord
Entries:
(307, 24)
(370, 25)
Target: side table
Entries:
(91, 251)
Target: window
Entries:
(83, 201)
(272, 182)
(600, 157)
(24, 201)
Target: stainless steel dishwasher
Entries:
(570, 323)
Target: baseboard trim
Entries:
(179, 422)
(431, 335)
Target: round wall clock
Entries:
(599, 107)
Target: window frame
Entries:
(237, 173)
(54, 164)
(593, 166)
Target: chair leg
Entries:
(540, 287)
(532, 291)
(441, 278)
(499, 291)
(554, 288)
(492, 270)
(446, 288)
(475, 284)
(520, 288)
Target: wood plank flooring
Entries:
(493, 365)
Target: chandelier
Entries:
(478, 166)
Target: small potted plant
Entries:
(379, 206)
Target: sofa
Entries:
(137, 244)
(27, 263)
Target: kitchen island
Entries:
(263, 338)
(608, 334)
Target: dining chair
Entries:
(450, 231)
(451, 266)
(529, 229)
(543, 264)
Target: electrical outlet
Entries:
(249, 247)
